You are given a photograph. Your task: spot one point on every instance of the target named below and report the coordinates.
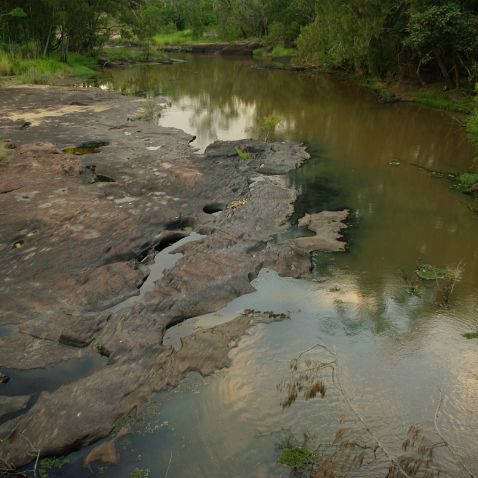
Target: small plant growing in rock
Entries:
(149, 111)
(3, 152)
(242, 154)
(299, 458)
(268, 126)
(140, 473)
(101, 349)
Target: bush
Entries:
(472, 123)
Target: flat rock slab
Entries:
(327, 226)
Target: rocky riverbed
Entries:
(91, 191)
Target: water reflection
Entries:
(397, 349)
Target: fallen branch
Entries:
(455, 455)
(336, 381)
(169, 464)
(36, 465)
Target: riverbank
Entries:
(91, 191)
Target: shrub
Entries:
(472, 123)
(269, 126)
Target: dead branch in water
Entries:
(451, 449)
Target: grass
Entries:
(432, 96)
(299, 457)
(281, 51)
(277, 51)
(242, 154)
(45, 70)
(176, 38)
(3, 152)
(140, 473)
(467, 179)
(471, 335)
(454, 102)
(268, 126)
(149, 111)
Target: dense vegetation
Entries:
(426, 41)
(422, 39)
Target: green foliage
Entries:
(429, 272)
(281, 51)
(444, 33)
(45, 70)
(3, 152)
(299, 458)
(6, 67)
(343, 32)
(439, 100)
(149, 111)
(471, 335)
(268, 126)
(149, 108)
(140, 473)
(48, 464)
(471, 124)
(242, 154)
(17, 12)
(174, 38)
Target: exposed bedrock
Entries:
(74, 250)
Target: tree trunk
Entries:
(47, 43)
(443, 70)
(63, 45)
(457, 74)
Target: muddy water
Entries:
(397, 352)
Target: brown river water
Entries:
(403, 359)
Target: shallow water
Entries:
(397, 352)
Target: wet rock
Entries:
(4, 378)
(86, 410)
(327, 226)
(10, 406)
(90, 249)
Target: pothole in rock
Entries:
(181, 224)
(214, 208)
(88, 147)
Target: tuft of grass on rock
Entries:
(471, 335)
(3, 152)
(298, 458)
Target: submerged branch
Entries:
(455, 455)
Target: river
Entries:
(402, 357)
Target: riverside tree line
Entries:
(423, 39)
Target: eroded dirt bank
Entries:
(78, 236)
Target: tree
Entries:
(447, 35)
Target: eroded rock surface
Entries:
(79, 233)
(327, 226)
